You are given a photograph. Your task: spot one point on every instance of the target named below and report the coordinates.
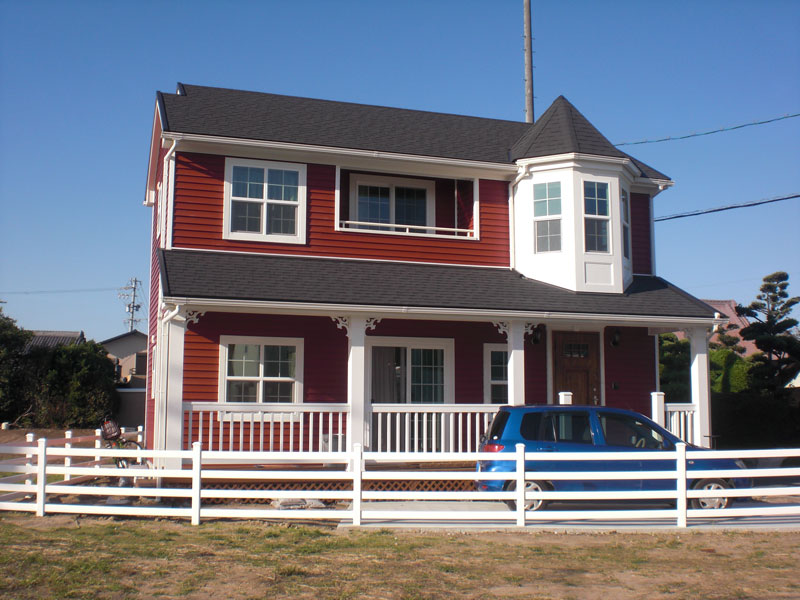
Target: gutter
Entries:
(450, 314)
(456, 162)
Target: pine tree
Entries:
(771, 328)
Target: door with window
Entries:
(576, 366)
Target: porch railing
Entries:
(263, 428)
(429, 428)
(680, 421)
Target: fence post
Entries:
(520, 458)
(657, 408)
(97, 445)
(140, 435)
(30, 438)
(680, 468)
(357, 465)
(41, 476)
(197, 480)
(565, 398)
(67, 458)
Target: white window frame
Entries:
(487, 370)
(299, 236)
(409, 343)
(357, 179)
(606, 218)
(625, 211)
(548, 217)
(224, 343)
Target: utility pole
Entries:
(128, 295)
(528, 63)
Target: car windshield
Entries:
(625, 430)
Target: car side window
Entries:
(531, 426)
(624, 430)
(572, 427)
(498, 424)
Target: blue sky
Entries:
(78, 82)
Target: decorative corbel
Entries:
(502, 326)
(193, 316)
(342, 323)
(372, 322)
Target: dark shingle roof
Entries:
(54, 339)
(231, 276)
(272, 117)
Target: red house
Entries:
(327, 273)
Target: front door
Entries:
(576, 365)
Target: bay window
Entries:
(546, 205)
(596, 213)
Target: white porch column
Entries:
(516, 362)
(173, 390)
(356, 396)
(700, 385)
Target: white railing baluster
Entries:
(190, 437)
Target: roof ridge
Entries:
(186, 86)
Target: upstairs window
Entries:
(392, 204)
(626, 223)
(595, 208)
(546, 205)
(265, 201)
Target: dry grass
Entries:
(69, 557)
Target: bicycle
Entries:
(114, 439)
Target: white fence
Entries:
(45, 479)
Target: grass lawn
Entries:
(63, 556)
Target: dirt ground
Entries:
(64, 556)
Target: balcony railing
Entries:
(428, 230)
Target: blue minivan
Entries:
(559, 428)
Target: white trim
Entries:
(508, 169)
(445, 344)
(170, 207)
(299, 237)
(226, 340)
(445, 314)
(487, 369)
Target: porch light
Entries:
(615, 338)
(537, 334)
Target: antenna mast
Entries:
(528, 63)
(128, 295)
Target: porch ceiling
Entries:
(223, 276)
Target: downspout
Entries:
(523, 173)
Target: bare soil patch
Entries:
(80, 557)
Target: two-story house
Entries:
(327, 273)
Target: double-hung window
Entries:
(262, 370)
(411, 370)
(495, 373)
(265, 201)
(547, 216)
(626, 222)
(595, 208)
(392, 204)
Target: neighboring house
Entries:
(373, 275)
(53, 339)
(727, 308)
(129, 353)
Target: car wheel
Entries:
(709, 485)
(530, 486)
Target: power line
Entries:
(80, 291)
(706, 211)
(691, 135)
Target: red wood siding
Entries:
(536, 370)
(641, 234)
(630, 368)
(325, 353)
(199, 207)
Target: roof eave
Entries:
(507, 169)
(446, 314)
